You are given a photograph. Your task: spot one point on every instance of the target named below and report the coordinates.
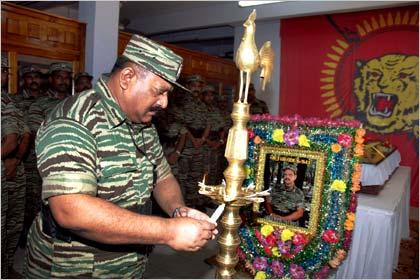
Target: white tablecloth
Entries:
(381, 222)
(373, 175)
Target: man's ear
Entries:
(127, 76)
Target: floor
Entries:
(191, 265)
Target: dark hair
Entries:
(123, 62)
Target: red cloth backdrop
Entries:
(361, 65)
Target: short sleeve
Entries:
(66, 155)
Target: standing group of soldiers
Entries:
(193, 132)
(21, 115)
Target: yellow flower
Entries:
(336, 148)
(266, 230)
(287, 234)
(278, 135)
(338, 185)
(276, 251)
(247, 171)
(260, 275)
(303, 141)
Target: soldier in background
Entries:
(286, 202)
(258, 106)
(193, 115)
(60, 88)
(213, 148)
(31, 91)
(82, 81)
(15, 144)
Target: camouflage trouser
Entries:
(191, 171)
(213, 160)
(4, 195)
(15, 211)
(47, 257)
(33, 191)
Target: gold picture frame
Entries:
(314, 162)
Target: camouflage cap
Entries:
(193, 78)
(60, 66)
(292, 167)
(83, 74)
(4, 61)
(209, 88)
(155, 58)
(30, 69)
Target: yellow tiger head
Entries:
(387, 91)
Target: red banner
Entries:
(362, 66)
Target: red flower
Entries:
(299, 239)
(271, 240)
(268, 252)
(259, 236)
(330, 236)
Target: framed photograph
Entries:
(303, 229)
(294, 177)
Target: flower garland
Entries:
(269, 251)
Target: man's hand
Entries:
(197, 142)
(10, 165)
(186, 212)
(190, 234)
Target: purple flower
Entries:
(296, 272)
(260, 263)
(291, 137)
(322, 273)
(277, 268)
(284, 247)
(297, 249)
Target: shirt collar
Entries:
(114, 113)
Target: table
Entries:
(381, 222)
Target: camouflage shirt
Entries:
(39, 110)
(285, 200)
(88, 146)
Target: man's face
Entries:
(289, 177)
(196, 87)
(145, 96)
(83, 83)
(32, 81)
(60, 81)
(208, 97)
(4, 77)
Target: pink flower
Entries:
(296, 272)
(260, 263)
(322, 273)
(251, 133)
(278, 268)
(330, 236)
(344, 140)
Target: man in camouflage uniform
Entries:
(15, 143)
(193, 115)
(31, 91)
(286, 203)
(82, 81)
(258, 106)
(100, 161)
(213, 148)
(60, 82)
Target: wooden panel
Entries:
(32, 32)
(26, 30)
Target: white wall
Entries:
(266, 31)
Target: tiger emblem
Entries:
(387, 93)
